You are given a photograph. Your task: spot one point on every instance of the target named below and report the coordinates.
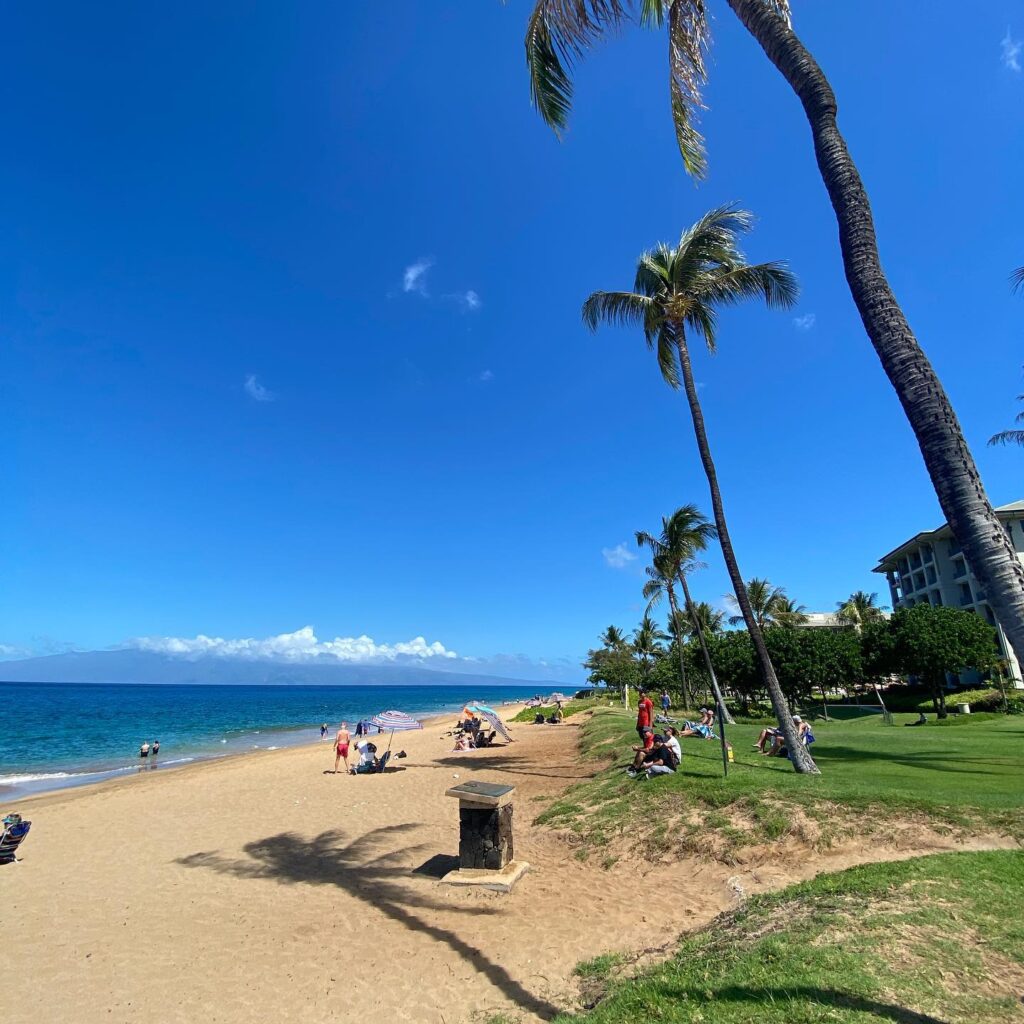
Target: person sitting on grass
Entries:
(640, 752)
(767, 735)
(672, 742)
(557, 715)
(703, 728)
(662, 759)
(803, 731)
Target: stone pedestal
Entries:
(485, 837)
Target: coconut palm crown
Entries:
(679, 288)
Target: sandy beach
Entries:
(261, 888)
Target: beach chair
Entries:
(382, 762)
(14, 832)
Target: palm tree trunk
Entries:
(679, 641)
(704, 649)
(950, 465)
(798, 753)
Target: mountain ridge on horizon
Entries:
(127, 665)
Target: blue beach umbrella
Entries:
(492, 716)
(395, 721)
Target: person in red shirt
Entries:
(644, 714)
(641, 752)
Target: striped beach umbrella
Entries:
(395, 721)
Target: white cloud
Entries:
(415, 277)
(300, 646)
(1010, 48)
(487, 376)
(619, 556)
(805, 322)
(9, 651)
(256, 391)
(470, 300)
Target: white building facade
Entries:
(930, 569)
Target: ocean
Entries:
(55, 735)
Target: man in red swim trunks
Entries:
(644, 714)
(341, 747)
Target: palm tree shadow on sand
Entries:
(369, 871)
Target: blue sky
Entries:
(232, 406)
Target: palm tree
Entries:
(613, 638)
(788, 614)
(706, 618)
(560, 31)
(859, 609)
(661, 582)
(647, 642)
(683, 534)
(679, 290)
(1017, 278)
(765, 601)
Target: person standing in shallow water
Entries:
(341, 742)
(144, 750)
(323, 731)
(154, 750)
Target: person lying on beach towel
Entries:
(464, 742)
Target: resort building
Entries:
(930, 568)
(829, 620)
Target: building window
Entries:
(937, 598)
(965, 594)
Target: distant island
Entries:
(133, 666)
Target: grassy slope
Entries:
(966, 774)
(925, 941)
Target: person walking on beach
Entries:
(341, 742)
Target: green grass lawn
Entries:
(965, 773)
(934, 940)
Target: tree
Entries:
(560, 31)
(859, 609)
(789, 614)
(616, 667)
(933, 642)
(683, 535)
(805, 658)
(647, 643)
(678, 290)
(765, 601)
(709, 619)
(613, 638)
(661, 581)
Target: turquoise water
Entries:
(54, 735)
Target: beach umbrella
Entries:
(394, 721)
(492, 716)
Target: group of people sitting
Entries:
(772, 742)
(555, 718)
(471, 735)
(657, 754)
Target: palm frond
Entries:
(652, 13)
(1007, 437)
(625, 309)
(1017, 278)
(687, 42)
(704, 321)
(558, 33)
(712, 242)
(668, 357)
(774, 282)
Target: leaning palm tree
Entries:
(560, 31)
(859, 609)
(676, 294)
(788, 614)
(765, 601)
